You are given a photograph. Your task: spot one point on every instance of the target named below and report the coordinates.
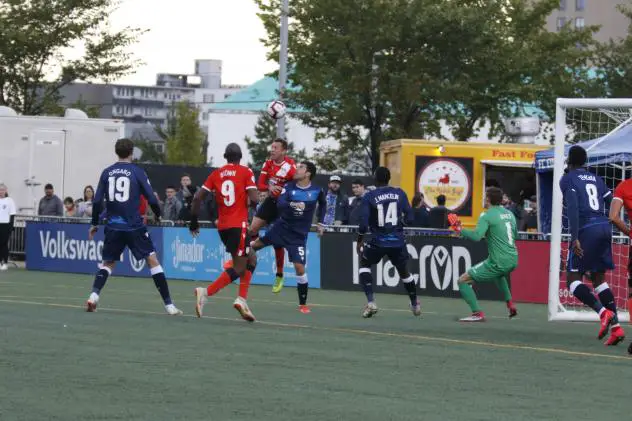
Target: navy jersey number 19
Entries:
(118, 189)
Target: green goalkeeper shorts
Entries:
(488, 271)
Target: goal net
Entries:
(604, 128)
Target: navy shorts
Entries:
(138, 241)
(372, 255)
(279, 238)
(268, 210)
(596, 241)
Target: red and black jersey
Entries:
(231, 184)
(273, 174)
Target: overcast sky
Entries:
(184, 30)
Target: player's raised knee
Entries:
(465, 278)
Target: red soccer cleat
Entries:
(304, 309)
(91, 306)
(617, 335)
(606, 320)
(513, 312)
(228, 264)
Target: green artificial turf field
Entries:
(130, 361)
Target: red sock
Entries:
(244, 284)
(219, 284)
(280, 260)
(510, 304)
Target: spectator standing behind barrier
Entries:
(357, 187)
(439, 214)
(7, 217)
(511, 206)
(172, 206)
(50, 204)
(70, 210)
(421, 214)
(185, 196)
(84, 209)
(529, 217)
(337, 203)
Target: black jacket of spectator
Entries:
(421, 217)
(355, 211)
(438, 217)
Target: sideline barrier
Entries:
(437, 259)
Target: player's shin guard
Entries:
(409, 284)
(468, 294)
(226, 278)
(607, 299)
(160, 280)
(279, 254)
(366, 279)
(244, 281)
(100, 279)
(583, 294)
(302, 288)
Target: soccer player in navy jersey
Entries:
(586, 198)
(121, 185)
(297, 204)
(384, 211)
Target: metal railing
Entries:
(17, 241)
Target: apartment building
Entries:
(581, 13)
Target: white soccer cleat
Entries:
(93, 301)
(200, 300)
(478, 316)
(4, 266)
(416, 309)
(242, 307)
(369, 310)
(172, 310)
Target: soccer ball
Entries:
(276, 109)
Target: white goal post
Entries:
(578, 120)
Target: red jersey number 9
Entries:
(228, 192)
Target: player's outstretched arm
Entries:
(479, 232)
(572, 212)
(97, 200)
(198, 198)
(615, 216)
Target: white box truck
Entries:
(69, 152)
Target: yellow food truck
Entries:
(461, 171)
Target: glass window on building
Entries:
(579, 23)
(561, 21)
(580, 5)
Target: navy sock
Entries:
(302, 293)
(607, 298)
(366, 279)
(160, 280)
(411, 290)
(99, 280)
(583, 294)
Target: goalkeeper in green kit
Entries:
(498, 226)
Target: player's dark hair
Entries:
(382, 176)
(124, 148)
(233, 153)
(68, 201)
(441, 200)
(495, 195)
(311, 169)
(171, 186)
(283, 143)
(358, 182)
(48, 186)
(417, 199)
(577, 156)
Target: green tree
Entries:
(33, 37)
(265, 133)
(374, 70)
(185, 140)
(150, 154)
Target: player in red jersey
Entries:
(276, 172)
(623, 198)
(234, 186)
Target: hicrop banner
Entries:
(202, 258)
(56, 247)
